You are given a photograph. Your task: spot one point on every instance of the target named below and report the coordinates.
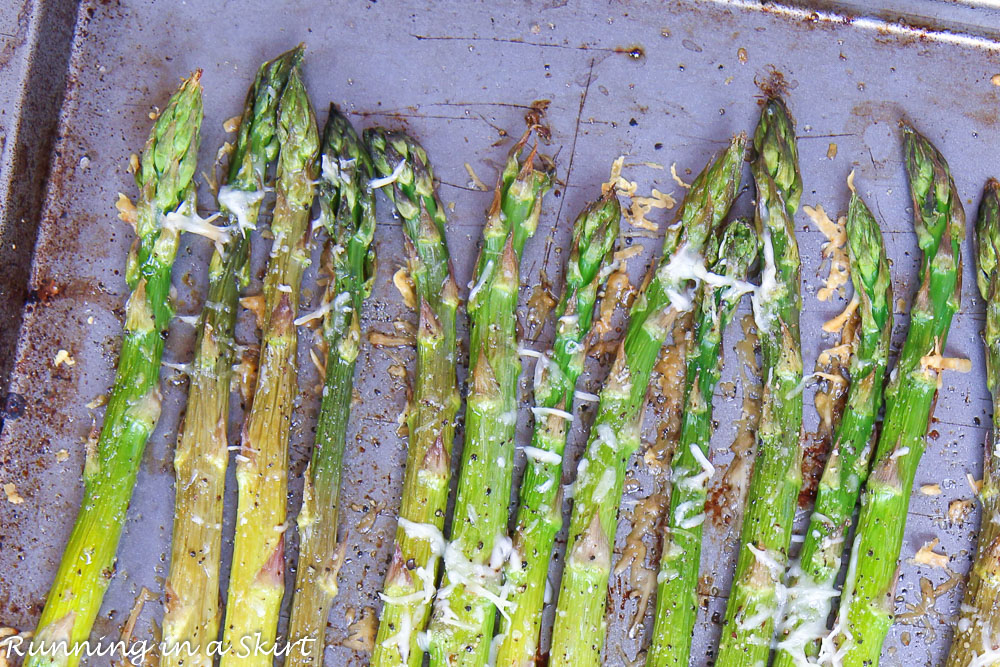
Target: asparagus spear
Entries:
(431, 418)
(256, 582)
(464, 614)
(866, 608)
(777, 474)
(811, 579)
(539, 517)
(191, 620)
(348, 206)
(578, 635)
(978, 631)
(678, 576)
(166, 189)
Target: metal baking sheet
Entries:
(659, 82)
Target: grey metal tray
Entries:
(659, 82)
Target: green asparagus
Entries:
(539, 516)
(676, 601)
(777, 475)
(977, 636)
(578, 634)
(867, 601)
(256, 581)
(811, 578)
(166, 190)
(191, 619)
(431, 417)
(348, 207)
(464, 614)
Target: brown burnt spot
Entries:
(634, 52)
(814, 456)
(535, 119)
(985, 115)
(46, 291)
(772, 83)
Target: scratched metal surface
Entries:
(455, 74)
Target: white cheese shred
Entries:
(542, 456)
(551, 412)
(376, 183)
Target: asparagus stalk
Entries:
(431, 419)
(166, 189)
(676, 600)
(578, 634)
(539, 516)
(464, 614)
(811, 579)
(256, 581)
(191, 619)
(977, 634)
(866, 608)
(348, 206)
(777, 475)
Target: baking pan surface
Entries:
(662, 83)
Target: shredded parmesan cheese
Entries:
(938, 362)
(99, 400)
(195, 224)
(361, 633)
(474, 289)
(231, 125)
(425, 531)
(927, 556)
(127, 211)
(641, 206)
(604, 485)
(542, 456)
(546, 412)
(624, 187)
(474, 181)
(376, 183)
(975, 484)
(13, 497)
(840, 353)
(63, 357)
(622, 256)
(379, 339)
(677, 179)
(133, 616)
(959, 509)
(401, 279)
(833, 249)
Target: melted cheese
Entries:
(837, 323)
(401, 279)
(240, 203)
(834, 249)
